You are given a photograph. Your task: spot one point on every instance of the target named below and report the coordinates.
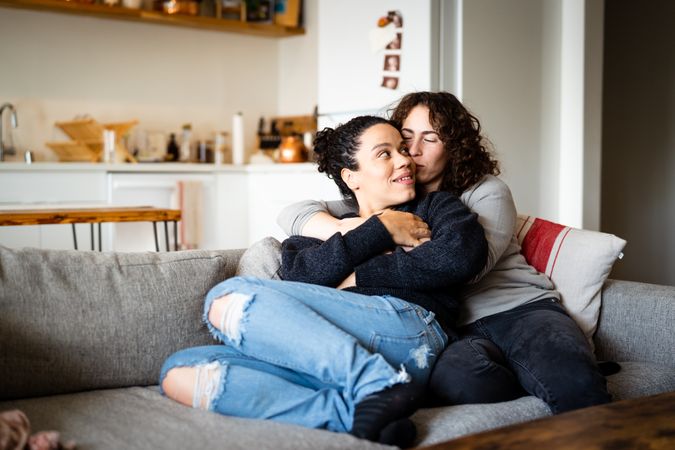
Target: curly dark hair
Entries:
(468, 158)
(335, 148)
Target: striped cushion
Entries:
(577, 261)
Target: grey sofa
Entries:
(83, 336)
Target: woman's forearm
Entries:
(322, 226)
(329, 262)
(294, 218)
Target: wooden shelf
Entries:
(140, 15)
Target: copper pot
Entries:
(291, 150)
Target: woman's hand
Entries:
(350, 281)
(406, 229)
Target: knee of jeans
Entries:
(225, 316)
(487, 349)
(199, 386)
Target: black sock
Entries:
(609, 368)
(401, 433)
(376, 411)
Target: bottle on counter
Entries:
(222, 152)
(238, 139)
(205, 152)
(185, 144)
(109, 145)
(172, 148)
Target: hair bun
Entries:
(323, 139)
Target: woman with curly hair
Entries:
(517, 338)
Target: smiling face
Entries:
(426, 148)
(386, 173)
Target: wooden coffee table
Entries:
(642, 423)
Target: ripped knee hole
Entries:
(226, 314)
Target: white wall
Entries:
(56, 66)
(298, 67)
(502, 85)
(531, 71)
(549, 164)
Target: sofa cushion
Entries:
(261, 260)
(640, 379)
(440, 424)
(636, 323)
(140, 418)
(577, 261)
(71, 321)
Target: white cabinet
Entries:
(251, 200)
(270, 193)
(26, 189)
(240, 204)
(159, 190)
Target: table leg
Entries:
(99, 237)
(175, 235)
(154, 228)
(166, 235)
(91, 229)
(74, 236)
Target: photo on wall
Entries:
(392, 63)
(389, 35)
(396, 43)
(390, 82)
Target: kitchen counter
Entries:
(240, 204)
(157, 167)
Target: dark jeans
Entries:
(535, 348)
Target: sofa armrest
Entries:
(73, 321)
(637, 323)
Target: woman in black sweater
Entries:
(351, 359)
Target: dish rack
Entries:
(87, 140)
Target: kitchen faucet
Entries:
(14, 123)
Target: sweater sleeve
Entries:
(456, 252)
(293, 218)
(329, 262)
(491, 199)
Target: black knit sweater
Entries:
(427, 275)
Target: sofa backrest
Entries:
(637, 323)
(73, 321)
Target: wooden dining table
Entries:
(95, 215)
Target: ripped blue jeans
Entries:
(307, 354)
